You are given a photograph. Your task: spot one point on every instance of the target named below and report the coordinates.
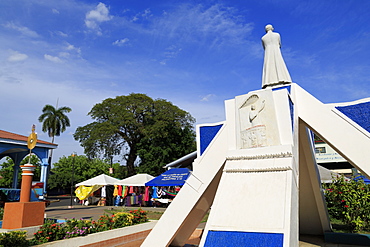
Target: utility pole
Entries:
(72, 178)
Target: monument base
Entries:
(23, 214)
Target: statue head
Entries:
(269, 27)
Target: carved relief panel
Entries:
(256, 120)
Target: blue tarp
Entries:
(172, 177)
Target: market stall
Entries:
(132, 191)
(98, 189)
(167, 185)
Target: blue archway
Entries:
(15, 146)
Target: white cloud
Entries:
(73, 48)
(60, 33)
(52, 58)
(216, 25)
(55, 11)
(172, 51)
(64, 54)
(95, 17)
(17, 57)
(144, 15)
(24, 30)
(207, 97)
(121, 42)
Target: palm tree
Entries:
(54, 121)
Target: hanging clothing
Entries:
(117, 200)
(103, 191)
(131, 190)
(125, 191)
(120, 190)
(154, 195)
(115, 191)
(146, 195)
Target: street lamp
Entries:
(72, 178)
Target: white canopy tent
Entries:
(136, 180)
(102, 179)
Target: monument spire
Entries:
(275, 71)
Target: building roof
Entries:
(12, 136)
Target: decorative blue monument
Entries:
(256, 171)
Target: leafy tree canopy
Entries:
(136, 125)
(82, 168)
(54, 121)
(7, 168)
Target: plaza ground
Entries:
(94, 212)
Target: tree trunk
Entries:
(131, 162)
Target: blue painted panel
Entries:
(291, 108)
(207, 133)
(250, 239)
(286, 87)
(359, 113)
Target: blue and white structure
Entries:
(15, 146)
(257, 171)
(258, 174)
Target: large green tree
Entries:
(81, 168)
(7, 168)
(137, 126)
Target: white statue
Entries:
(274, 69)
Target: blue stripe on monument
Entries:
(207, 133)
(359, 113)
(285, 87)
(250, 239)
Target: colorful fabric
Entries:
(125, 191)
(146, 195)
(83, 192)
(154, 195)
(170, 193)
(120, 190)
(117, 200)
(115, 191)
(131, 190)
(103, 191)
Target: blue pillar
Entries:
(15, 175)
(17, 158)
(44, 172)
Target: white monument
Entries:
(274, 69)
(257, 173)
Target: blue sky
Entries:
(196, 54)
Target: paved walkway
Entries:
(85, 212)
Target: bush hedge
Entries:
(51, 231)
(349, 201)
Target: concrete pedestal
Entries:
(23, 214)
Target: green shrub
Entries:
(13, 238)
(140, 216)
(1, 213)
(76, 228)
(122, 219)
(48, 232)
(51, 231)
(349, 201)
